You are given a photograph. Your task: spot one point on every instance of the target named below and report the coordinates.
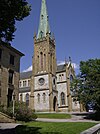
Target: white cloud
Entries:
(76, 66)
(60, 62)
(28, 69)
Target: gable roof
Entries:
(25, 75)
(61, 68)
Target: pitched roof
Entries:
(25, 75)
(7, 45)
(44, 27)
(61, 67)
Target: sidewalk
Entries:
(8, 125)
(75, 117)
(65, 120)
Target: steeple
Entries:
(43, 24)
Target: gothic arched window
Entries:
(62, 98)
(44, 62)
(41, 61)
(38, 63)
(38, 97)
(44, 97)
(71, 78)
(27, 99)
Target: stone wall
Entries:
(8, 64)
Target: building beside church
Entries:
(47, 86)
(9, 73)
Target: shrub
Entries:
(21, 112)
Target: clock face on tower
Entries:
(41, 81)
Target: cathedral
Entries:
(47, 86)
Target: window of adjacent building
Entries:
(11, 59)
(38, 97)
(0, 53)
(62, 98)
(44, 97)
(10, 76)
(27, 99)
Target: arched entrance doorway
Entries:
(55, 103)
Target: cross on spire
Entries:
(44, 23)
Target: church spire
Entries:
(43, 24)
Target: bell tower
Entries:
(43, 85)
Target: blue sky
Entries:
(75, 24)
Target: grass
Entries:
(53, 115)
(53, 128)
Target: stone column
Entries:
(50, 94)
(31, 102)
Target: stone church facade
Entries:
(47, 86)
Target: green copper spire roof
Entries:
(44, 24)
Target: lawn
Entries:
(53, 128)
(53, 115)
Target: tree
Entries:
(88, 83)
(10, 12)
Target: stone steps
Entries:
(5, 118)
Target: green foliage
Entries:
(10, 12)
(21, 112)
(2, 108)
(87, 83)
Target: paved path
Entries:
(75, 117)
(64, 120)
(8, 125)
(8, 128)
